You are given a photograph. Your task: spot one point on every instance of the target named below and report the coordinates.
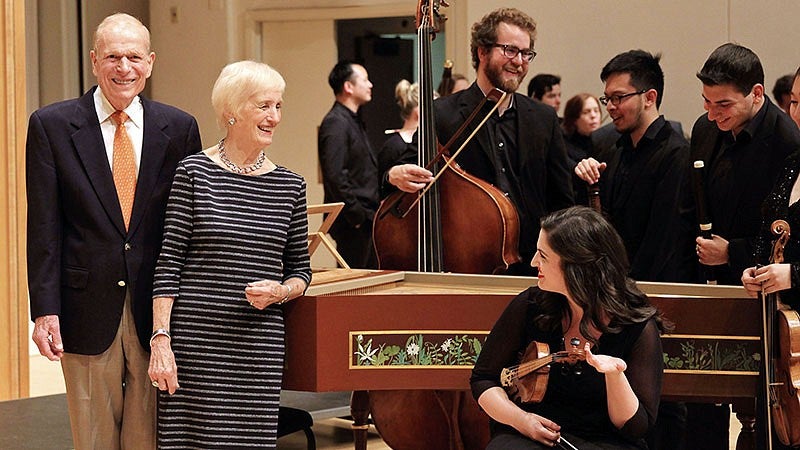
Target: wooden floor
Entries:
(331, 434)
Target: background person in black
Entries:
(547, 89)
(349, 169)
(610, 400)
(640, 185)
(520, 149)
(402, 143)
(581, 118)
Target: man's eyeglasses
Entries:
(616, 99)
(511, 52)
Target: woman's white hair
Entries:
(237, 83)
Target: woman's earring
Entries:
(231, 121)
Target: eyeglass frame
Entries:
(606, 99)
(517, 51)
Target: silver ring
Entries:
(155, 383)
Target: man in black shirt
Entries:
(743, 141)
(640, 191)
(640, 185)
(349, 168)
(520, 149)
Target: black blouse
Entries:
(575, 399)
(776, 206)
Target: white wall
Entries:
(576, 38)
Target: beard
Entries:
(494, 73)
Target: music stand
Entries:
(320, 236)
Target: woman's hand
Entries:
(604, 363)
(539, 429)
(263, 293)
(771, 278)
(163, 371)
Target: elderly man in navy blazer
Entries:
(99, 170)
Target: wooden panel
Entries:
(711, 355)
(13, 293)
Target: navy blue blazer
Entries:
(81, 261)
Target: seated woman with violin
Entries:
(604, 392)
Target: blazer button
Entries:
(121, 283)
(127, 246)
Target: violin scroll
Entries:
(780, 228)
(527, 381)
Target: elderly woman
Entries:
(235, 250)
(581, 118)
(584, 298)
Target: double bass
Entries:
(782, 356)
(458, 223)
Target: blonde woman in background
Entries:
(401, 147)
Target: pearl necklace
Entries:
(236, 169)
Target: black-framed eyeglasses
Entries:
(511, 52)
(616, 99)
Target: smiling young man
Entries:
(99, 170)
(520, 149)
(641, 177)
(743, 140)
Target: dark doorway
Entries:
(386, 48)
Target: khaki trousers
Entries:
(112, 405)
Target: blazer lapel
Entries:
(468, 104)
(88, 141)
(154, 147)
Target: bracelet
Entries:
(288, 293)
(159, 332)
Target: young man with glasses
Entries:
(641, 177)
(641, 190)
(520, 149)
(743, 140)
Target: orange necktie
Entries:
(124, 166)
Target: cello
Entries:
(458, 223)
(782, 351)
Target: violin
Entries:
(527, 381)
(781, 347)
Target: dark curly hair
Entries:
(595, 267)
(484, 32)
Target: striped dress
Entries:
(222, 231)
